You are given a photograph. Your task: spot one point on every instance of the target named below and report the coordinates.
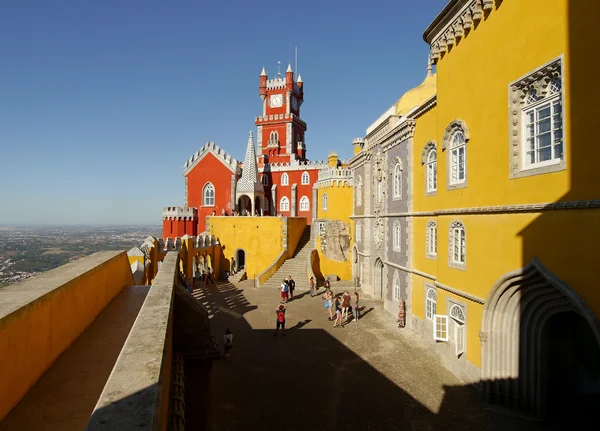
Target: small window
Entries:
(431, 171)
(431, 239)
(305, 178)
(397, 181)
(284, 204)
(274, 138)
(358, 232)
(440, 327)
(397, 236)
(285, 180)
(430, 303)
(324, 202)
(396, 286)
(379, 191)
(458, 161)
(208, 195)
(265, 180)
(321, 227)
(304, 204)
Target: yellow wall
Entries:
(339, 207)
(35, 335)
(260, 237)
(503, 242)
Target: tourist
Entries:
(223, 212)
(284, 291)
(232, 265)
(209, 276)
(328, 297)
(214, 213)
(311, 286)
(327, 284)
(291, 285)
(338, 313)
(355, 311)
(345, 304)
(203, 279)
(228, 342)
(280, 320)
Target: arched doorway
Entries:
(379, 284)
(240, 258)
(244, 203)
(257, 206)
(355, 266)
(540, 346)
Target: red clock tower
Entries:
(280, 129)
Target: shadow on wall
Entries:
(541, 334)
(315, 262)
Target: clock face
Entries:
(276, 100)
(294, 103)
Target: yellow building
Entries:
(332, 226)
(506, 205)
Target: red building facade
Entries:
(211, 175)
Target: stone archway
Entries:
(240, 258)
(379, 279)
(244, 203)
(519, 336)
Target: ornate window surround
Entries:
(396, 174)
(429, 239)
(396, 287)
(397, 237)
(429, 147)
(305, 178)
(324, 202)
(457, 312)
(539, 80)
(454, 127)
(430, 300)
(451, 263)
(359, 190)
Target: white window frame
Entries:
(285, 179)
(304, 203)
(550, 100)
(440, 327)
(207, 200)
(397, 236)
(431, 243)
(396, 286)
(359, 186)
(284, 204)
(305, 178)
(455, 158)
(457, 242)
(324, 202)
(358, 232)
(430, 302)
(274, 138)
(457, 313)
(431, 171)
(397, 184)
(265, 180)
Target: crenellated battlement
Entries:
(358, 141)
(327, 174)
(218, 152)
(198, 242)
(176, 213)
(266, 118)
(295, 165)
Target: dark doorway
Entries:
(244, 203)
(257, 205)
(240, 257)
(572, 368)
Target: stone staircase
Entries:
(295, 266)
(237, 277)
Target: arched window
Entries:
(304, 204)
(324, 202)
(397, 181)
(458, 158)
(284, 204)
(208, 195)
(430, 303)
(457, 314)
(431, 174)
(431, 235)
(358, 232)
(305, 178)
(265, 180)
(397, 236)
(274, 138)
(396, 286)
(379, 191)
(457, 253)
(285, 180)
(359, 186)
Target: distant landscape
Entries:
(28, 251)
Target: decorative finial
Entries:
(263, 73)
(429, 66)
(279, 68)
(289, 69)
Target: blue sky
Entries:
(101, 102)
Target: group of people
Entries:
(288, 285)
(340, 307)
(203, 278)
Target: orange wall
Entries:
(36, 334)
(209, 169)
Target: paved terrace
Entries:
(367, 376)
